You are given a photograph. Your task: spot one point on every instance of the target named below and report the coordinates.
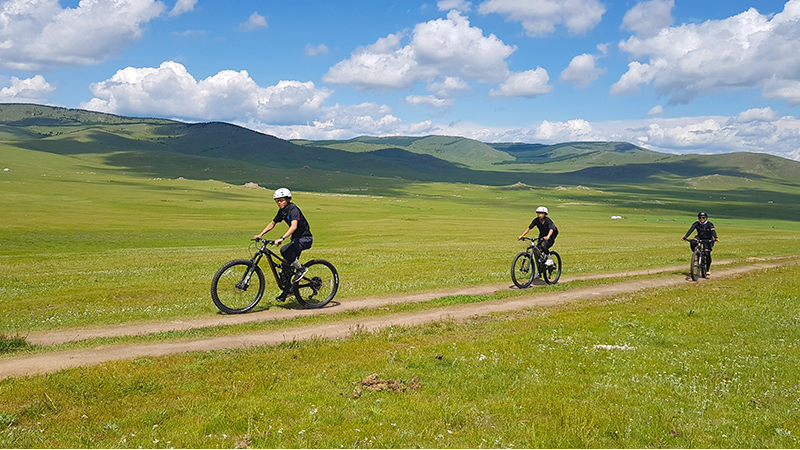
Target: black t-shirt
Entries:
(705, 231)
(289, 213)
(545, 227)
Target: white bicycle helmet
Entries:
(541, 209)
(282, 193)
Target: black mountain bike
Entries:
(698, 268)
(532, 261)
(238, 285)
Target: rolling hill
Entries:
(168, 148)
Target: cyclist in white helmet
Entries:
(547, 232)
(298, 230)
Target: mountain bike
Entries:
(238, 285)
(523, 269)
(698, 268)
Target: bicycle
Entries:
(698, 267)
(238, 285)
(523, 270)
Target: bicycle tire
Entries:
(522, 273)
(694, 266)
(318, 286)
(226, 291)
(551, 274)
(703, 268)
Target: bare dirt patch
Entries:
(374, 383)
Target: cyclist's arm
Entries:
(694, 225)
(267, 229)
(292, 229)
(527, 230)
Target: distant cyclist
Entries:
(299, 231)
(705, 233)
(547, 232)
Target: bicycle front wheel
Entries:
(694, 267)
(552, 273)
(318, 286)
(522, 270)
(237, 286)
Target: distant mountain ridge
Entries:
(427, 158)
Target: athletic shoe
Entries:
(300, 274)
(549, 261)
(282, 297)
(537, 275)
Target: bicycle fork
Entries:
(244, 283)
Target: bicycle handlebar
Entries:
(266, 241)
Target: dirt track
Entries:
(55, 361)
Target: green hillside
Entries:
(226, 152)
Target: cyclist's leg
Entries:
(709, 248)
(291, 254)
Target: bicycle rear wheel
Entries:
(694, 266)
(318, 286)
(235, 289)
(522, 270)
(552, 273)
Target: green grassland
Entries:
(106, 223)
(110, 220)
(705, 365)
(85, 242)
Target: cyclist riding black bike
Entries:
(705, 233)
(299, 231)
(547, 232)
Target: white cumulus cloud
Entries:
(438, 48)
(29, 90)
(582, 71)
(540, 17)
(458, 5)
(430, 101)
(648, 18)
(531, 83)
(448, 86)
(748, 50)
(182, 6)
(314, 50)
(655, 111)
(254, 22)
(41, 34)
(169, 90)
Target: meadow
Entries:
(119, 237)
(85, 243)
(706, 365)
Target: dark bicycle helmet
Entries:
(702, 215)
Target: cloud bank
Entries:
(748, 50)
(35, 35)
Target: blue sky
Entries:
(671, 75)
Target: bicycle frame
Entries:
(535, 251)
(260, 253)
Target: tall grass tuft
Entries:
(9, 344)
